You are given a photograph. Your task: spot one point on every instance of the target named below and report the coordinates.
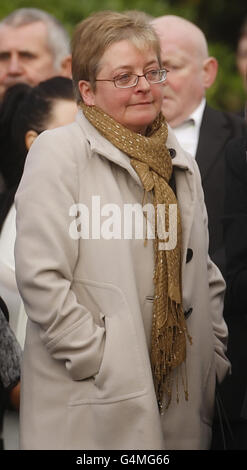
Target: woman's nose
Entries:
(143, 83)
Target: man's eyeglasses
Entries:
(128, 80)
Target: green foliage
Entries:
(227, 92)
(219, 19)
(73, 11)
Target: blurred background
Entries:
(220, 20)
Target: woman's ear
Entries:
(210, 69)
(86, 92)
(30, 137)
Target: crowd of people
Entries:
(123, 253)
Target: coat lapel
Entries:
(183, 167)
(186, 195)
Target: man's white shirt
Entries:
(187, 133)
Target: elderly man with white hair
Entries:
(200, 129)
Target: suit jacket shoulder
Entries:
(217, 129)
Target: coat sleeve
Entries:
(46, 255)
(216, 298)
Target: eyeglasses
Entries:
(128, 80)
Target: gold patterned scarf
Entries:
(151, 160)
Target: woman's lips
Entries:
(141, 103)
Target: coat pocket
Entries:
(121, 373)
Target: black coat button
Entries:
(189, 255)
(172, 152)
(187, 313)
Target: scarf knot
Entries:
(144, 173)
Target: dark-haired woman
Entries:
(25, 113)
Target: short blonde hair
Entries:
(97, 32)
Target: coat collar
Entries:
(182, 162)
(100, 145)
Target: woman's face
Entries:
(135, 107)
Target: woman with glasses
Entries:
(125, 334)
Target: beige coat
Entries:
(86, 380)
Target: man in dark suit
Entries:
(204, 132)
(200, 130)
